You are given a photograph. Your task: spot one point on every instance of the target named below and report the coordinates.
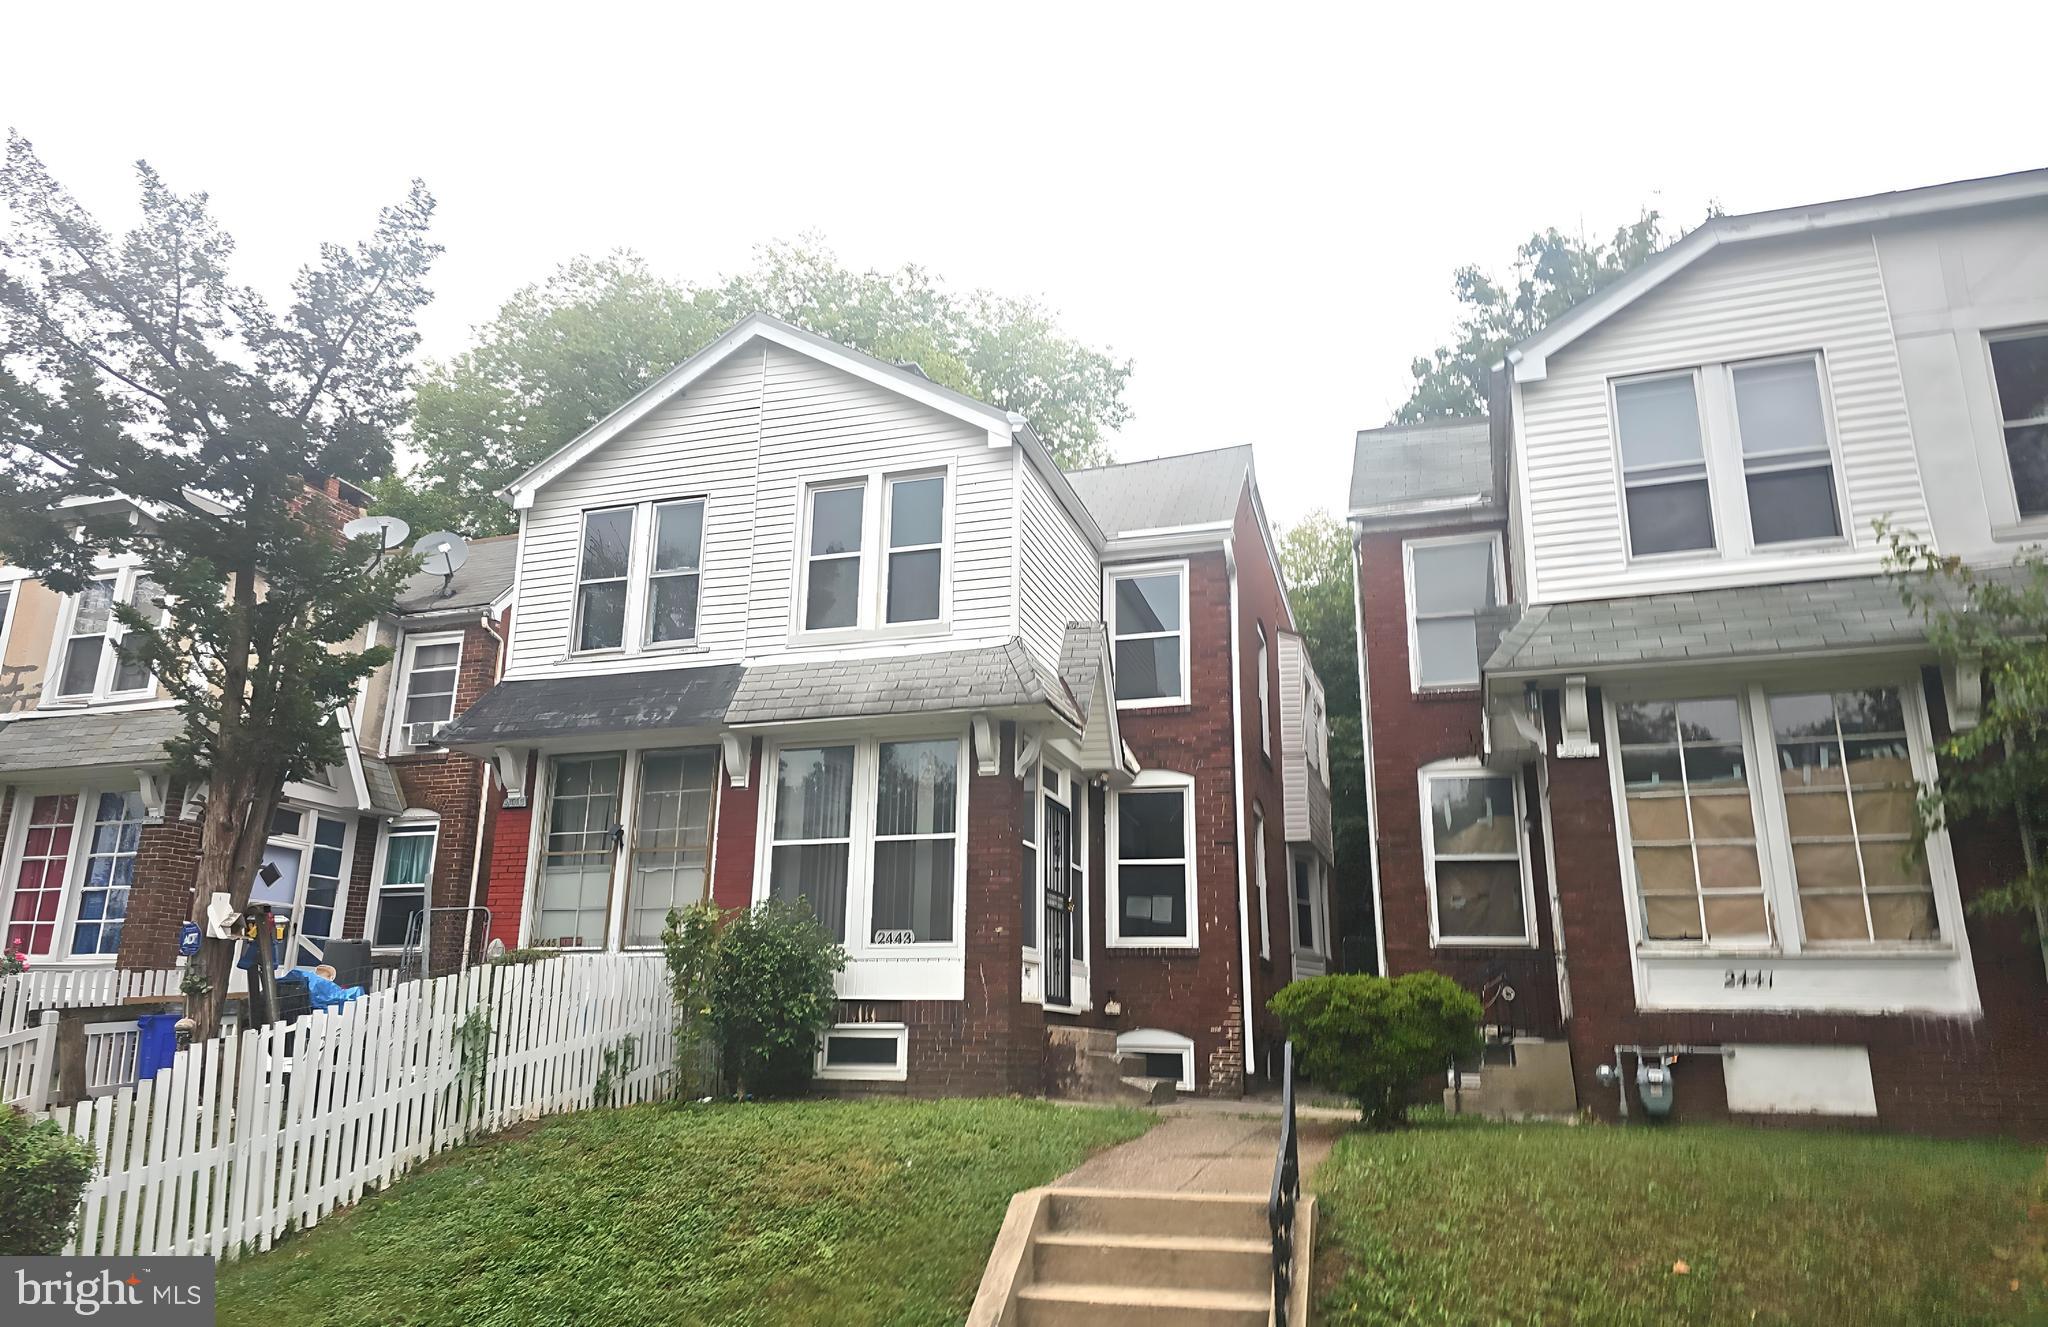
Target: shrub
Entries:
(1372, 1038)
(43, 1170)
(759, 985)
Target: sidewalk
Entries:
(1210, 1147)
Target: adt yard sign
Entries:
(188, 938)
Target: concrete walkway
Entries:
(1208, 1147)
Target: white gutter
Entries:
(1244, 930)
(1372, 811)
(1564, 981)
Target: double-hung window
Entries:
(1725, 848)
(2019, 372)
(602, 578)
(849, 580)
(1788, 464)
(1151, 857)
(427, 685)
(675, 572)
(402, 888)
(1305, 904)
(91, 664)
(832, 558)
(1663, 464)
(1148, 621)
(913, 575)
(867, 835)
(307, 860)
(1449, 581)
(1473, 854)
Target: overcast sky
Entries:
(1261, 206)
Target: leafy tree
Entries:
(1316, 555)
(1375, 1038)
(1998, 769)
(562, 354)
(134, 367)
(1553, 272)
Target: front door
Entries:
(1058, 952)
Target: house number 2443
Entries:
(1735, 979)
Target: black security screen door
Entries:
(1059, 904)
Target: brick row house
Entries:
(799, 624)
(99, 847)
(1644, 714)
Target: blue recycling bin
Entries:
(157, 1046)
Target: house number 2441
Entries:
(1735, 979)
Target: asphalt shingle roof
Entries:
(386, 797)
(607, 703)
(997, 676)
(1081, 655)
(87, 741)
(476, 585)
(1409, 463)
(1862, 612)
(1192, 489)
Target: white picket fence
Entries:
(246, 1135)
(24, 994)
(28, 1064)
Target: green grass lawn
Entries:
(1459, 1222)
(847, 1212)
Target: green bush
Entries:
(43, 1170)
(1372, 1038)
(758, 986)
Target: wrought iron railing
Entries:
(1286, 1195)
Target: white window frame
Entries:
(1466, 767)
(1319, 925)
(861, 840)
(1159, 1041)
(618, 921)
(1122, 571)
(304, 844)
(870, 620)
(1259, 867)
(72, 889)
(1265, 694)
(1715, 501)
(864, 1073)
(576, 646)
(394, 737)
(124, 577)
(1153, 780)
(11, 586)
(411, 823)
(1836, 470)
(649, 517)
(887, 553)
(1500, 593)
(2001, 422)
(1774, 860)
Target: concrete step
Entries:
(1184, 1262)
(1197, 1215)
(1141, 1306)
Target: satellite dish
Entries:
(390, 531)
(442, 554)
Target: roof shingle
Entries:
(1197, 488)
(1405, 464)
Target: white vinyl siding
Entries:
(1820, 297)
(1059, 582)
(748, 437)
(1304, 746)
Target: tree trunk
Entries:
(234, 828)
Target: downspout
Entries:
(1564, 981)
(483, 807)
(1244, 930)
(1372, 801)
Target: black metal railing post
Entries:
(1286, 1193)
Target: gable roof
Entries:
(1529, 358)
(1002, 425)
(1404, 468)
(1166, 492)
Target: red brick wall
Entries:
(505, 890)
(1408, 732)
(1197, 994)
(166, 867)
(732, 866)
(1931, 1074)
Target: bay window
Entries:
(2019, 375)
(1148, 626)
(1809, 844)
(1473, 856)
(1151, 863)
(867, 834)
(1449, 581)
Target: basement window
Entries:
(864, 1052)
(1165, 1054)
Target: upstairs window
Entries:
(874, 554)
(832, 558)
(917, 538)
(1148, 615)
(1663, 464)
(1788, 465)
(1449, 581)
(2019, 371)
(91, 665)
(427, 687)
(601, 579)
(675, 572)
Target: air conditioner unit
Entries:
(425, 733)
